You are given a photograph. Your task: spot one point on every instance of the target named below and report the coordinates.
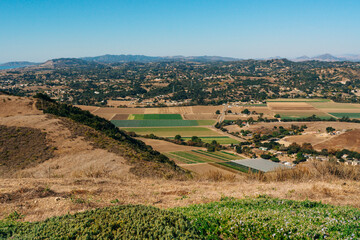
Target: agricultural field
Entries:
(333, 105)
(201, 156)
(157, 120)
(155, 117)
(218, 161)
(173, 131)
(219, 139)
(156, 123)
(349, 115)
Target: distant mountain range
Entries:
(111, 59)
(328, 58)
(17, 64)
(142, 58)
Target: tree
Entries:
(265, 156)
(217, 112)
(330, 129)
(300, 158)
(277, 116)
(178, 137)
(246, 111)
(293, 148)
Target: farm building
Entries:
(260, 164)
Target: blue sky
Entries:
(37, 30)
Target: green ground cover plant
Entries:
(249, 218)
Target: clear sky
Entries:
(37, 30)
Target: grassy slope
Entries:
(107, 136)
(260, 218)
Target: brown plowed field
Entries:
(120, 117)
(290, 106)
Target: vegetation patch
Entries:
(267, 218)
(219, 139)
(22, 147)
(259, 218)
(120, 222)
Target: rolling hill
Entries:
(66, 141)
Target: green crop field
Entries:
(218, 155)
(249, 218)
(298, 100)
(162, 123)
(173, 131)
(235, 166)
(349, 115)
(155, 116)
(220, 140)
(199, 156)
(205, 122)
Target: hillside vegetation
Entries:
(260, 218)
(22, 147)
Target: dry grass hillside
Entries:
(74, 150)
(79, 168)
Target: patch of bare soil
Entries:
(120, 117)
(233, 128)
(24, 194)
(11, 106)
(349, 140)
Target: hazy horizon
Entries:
(38, 30)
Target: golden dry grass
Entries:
(79, 194)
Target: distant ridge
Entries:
(142, 58)
(103, 60)
(17, 64)
(328, 58)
